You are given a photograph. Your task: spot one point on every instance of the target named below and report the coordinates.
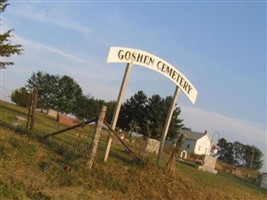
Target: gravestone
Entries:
(209, 164)
(152, 146)
(263, 180)
(52, 113)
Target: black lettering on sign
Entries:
(161, 66)
(151, 61)
(127, 55)
(120, 54)
(133, 56)
(189, 89)
(139, 58)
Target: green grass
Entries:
(32, 167)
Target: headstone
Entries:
(263, 180)
(152, 146)
(209, 164)
(52, 113)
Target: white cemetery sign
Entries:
(145, 59)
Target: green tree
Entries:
(110, 110)
(134, 109)
(6, 48)
(156, 115)
(47, 86)
(253, 157)
(148, 115)
(68, 94)
(87, 107)
(82, 108)
(176, 123)
(226, 152)
(239, 154)
(21, 97)
(63, 94)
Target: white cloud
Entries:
(34, 45)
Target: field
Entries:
(32, 167)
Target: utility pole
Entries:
(252, 157)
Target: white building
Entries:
(197, 143)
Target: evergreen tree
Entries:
(156, 115)
(6, 48)
(134, 109)
(158, 109)
(148, 115)
(176, 123)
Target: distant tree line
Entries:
(239, 154)
(61, 93)
(142, 114)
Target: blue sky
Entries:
(219, 46)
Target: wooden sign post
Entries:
(118, 107)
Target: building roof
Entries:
(191, 135)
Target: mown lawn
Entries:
(32, 167)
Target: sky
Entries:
(220, 46)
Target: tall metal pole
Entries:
(252, 158)
(118, 107)
(167, 122)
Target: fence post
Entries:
(170, 166)
(29, 112)
(34, 105)
(94, 144)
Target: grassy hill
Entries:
(32, 167)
